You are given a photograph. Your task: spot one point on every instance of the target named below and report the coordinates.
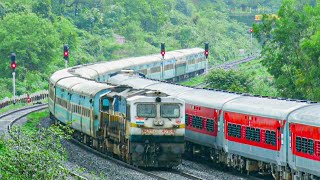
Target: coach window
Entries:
(304, 145)
(258, 135)
(310, 147)
(248, 133)
(186, 119)
(298, 144)
(238, 131)
(210, 125)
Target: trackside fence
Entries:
(23, 99)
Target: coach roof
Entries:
(309, 115)
(265, 107)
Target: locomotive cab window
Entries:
(146, 110)
(170, 110)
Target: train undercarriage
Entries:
(145, 152)
(220, 158)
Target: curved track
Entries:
(9, 119)
(176, 174)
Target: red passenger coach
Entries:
(305, 141)
(254, 130)
(202, 119)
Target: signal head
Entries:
(163, 49)
(66, 52)
(13, 57)
(13, 65)
(206, 49)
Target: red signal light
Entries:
(66, 53)
(13, 65)
(163, 53)
(250, 30)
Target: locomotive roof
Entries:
(132, 81)
(265, 107)
(59, 75)
(309, 115)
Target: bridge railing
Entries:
(23, 99)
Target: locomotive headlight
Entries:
(158, 99)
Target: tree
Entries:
(33, 39)
(288, 50)
(229, 80)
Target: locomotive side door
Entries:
(105, 106)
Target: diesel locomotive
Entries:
(142, 127)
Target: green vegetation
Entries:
(33, 121)
(11, 107)
(291, 49)
(262, 82)
(36, 31)
(194, 81)
(33, 154)
(230, 80)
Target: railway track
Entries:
(226, 66)
(9, 119)
(155, 174)
(232, 64)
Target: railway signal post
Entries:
(13, 67)
(163, 52)
(206, 53)
(251, 32)
(66, 54)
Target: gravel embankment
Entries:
(95, 167)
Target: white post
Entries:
(251, 43)
(162, 69)
(14, 86)
(66, 63)
(206, 66)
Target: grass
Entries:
(12, 107)
(34, 119)
(194, 81)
